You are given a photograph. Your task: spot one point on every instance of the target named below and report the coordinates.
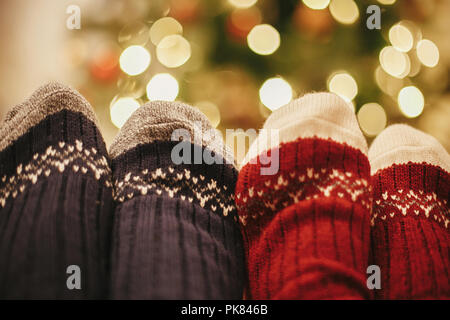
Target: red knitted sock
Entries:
(410, 219)
(307, 228)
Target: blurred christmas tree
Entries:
(237, 60)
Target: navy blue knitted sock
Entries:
(175, 233)
(55, 199)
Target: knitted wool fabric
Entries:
(175, 233)
(306, 228)
(410, 219)
(55, 198)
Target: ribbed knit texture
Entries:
(306, 228)
(410, 218)
(55, 198)
(175, 233)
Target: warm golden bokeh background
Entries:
(221, 56)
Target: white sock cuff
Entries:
(323, 115)
(400, 144)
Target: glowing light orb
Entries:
(401, 37)
(394, 62)
(121, 109)
(372, 118)
(387, 2)
(242, 3)
(275, 93)
(162, 86)
(317, 4)
(134, 60)
(173, 51)
(164, 27)
(411, 101)
(344, 85)
(263, 39)
(344, 11)
(428, 53)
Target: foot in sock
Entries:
(410, 218)
(307, 227)
(175, 232)
(55, 198)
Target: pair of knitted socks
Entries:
(137, 225)
(132, 226)
(334, 207)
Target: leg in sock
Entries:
(306, 228)
(55, 197)
(410, 218)
(176, 234)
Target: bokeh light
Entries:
(134, 60)
(275, 93)
(344, 85)
(411, 101)
(428, 53)
(263, 39)
(242, 3)
(387, 2)
(210, 110)
(164, 27)
(372, 118)
(395, 62)
(173, 51)
(317, 4)
(401, 37)
(162, 86)
(344, 11)
(121, 109)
